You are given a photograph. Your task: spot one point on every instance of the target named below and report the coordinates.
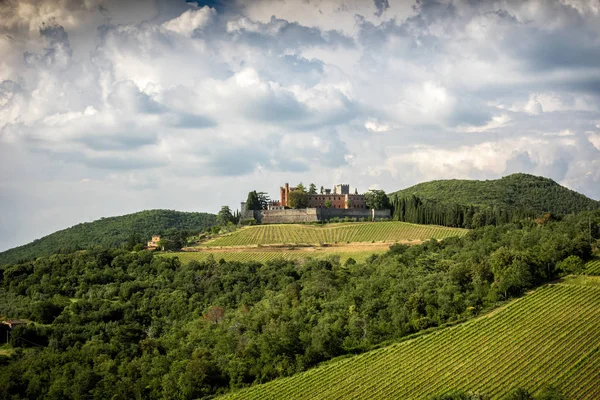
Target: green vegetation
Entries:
(297, 199)
(513, 192)
(334, 233)
(593, 266)
(252, 202)
(110, 232)
(111, 323)
(377, 199)
(551, 335)
(265, 256)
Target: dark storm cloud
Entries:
(381, 6)
(571, 48)
(281, 34)
(58, 50)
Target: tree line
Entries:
(111, 323)
(422, 211)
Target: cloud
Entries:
(381, 6)
(191, 20)
(57, 51)
(176, 100)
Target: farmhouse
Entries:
(153, 244)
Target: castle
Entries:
(324, 206)
(340, 198)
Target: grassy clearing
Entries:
(264, 256)
(334, 233)
(550, 336)
(6, 350)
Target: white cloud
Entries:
(173, 100)
(191, 20)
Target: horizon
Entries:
(110, 108)
(234, 209)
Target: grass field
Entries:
(334, 233)
(6, 350)
(549, 336)
(264, 256)
(592, 267)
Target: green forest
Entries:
(512, 192)
(126, 230)
(112, 323)
(473, 204)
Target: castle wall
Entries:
(288, 216)
(315, 214)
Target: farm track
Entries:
(551, 335)
(264, 256)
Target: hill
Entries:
(512, 192)
(334, 233)
(550, 336)
(110, 232)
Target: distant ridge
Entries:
(516, 191)
(110, 232)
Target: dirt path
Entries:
(341, 247)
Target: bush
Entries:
(571, 265)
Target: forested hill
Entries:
(517, 191)
(110, 232)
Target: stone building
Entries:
(153, 244)
(339, 198)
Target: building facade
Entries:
(153, 244)
(339, 198)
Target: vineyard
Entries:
(593, 267)
(335, 233)
(264, 256)
(549, 336)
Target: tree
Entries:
(348, 203)
(46, 311)
(478, 220)
(571, 265)
(322, 190)
(377, 199)
(263, 199)
(224, 216)
(297, 199)
(301, 187)
(133, 240)
(550, 393)
(214, 314)
(519, 394)
(511, 271)
(167, 245)
(312, 189)
(253, 201)
(327, 204)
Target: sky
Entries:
(110, 107)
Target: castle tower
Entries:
(341, 189)
(283, 194)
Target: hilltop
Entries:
(109, 232)
(516, 191)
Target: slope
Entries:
(549, 336)
(334, 233)
(111, 232)
(517, 191)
